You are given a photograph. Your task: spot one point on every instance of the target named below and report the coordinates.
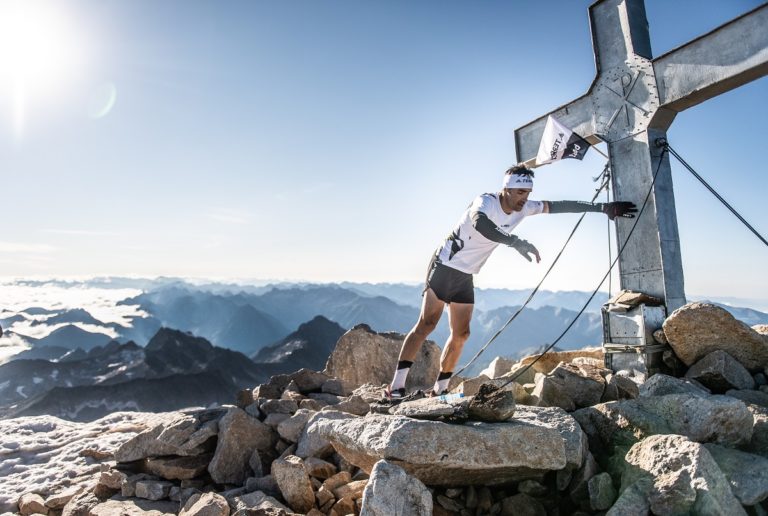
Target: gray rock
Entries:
(308, 381)
(522, 505)
(747, 473)
(601, 492)
(290, 429)
(448, 504)
(178, 468)
(390, 490)
(716, 418)
(499, 366)
(685, 478)
(633, 501)
(81, 504)
(257, 501)
(551, 393)
(492, 404)
(311, 443)
(754, 397)
(153, 489)
(758, 444)
(254, 462)
(128, 487)
(584, 384)
(719, 372)
(60, 499)
(274, 420)
(319, 468)
(337, 387)
(239, 435)
(352, 405)
(364, 356)
(578, 489)
(266, 484)
(430, 408)
(619, 387)
(662, 384)
(532, 488)
(185, 435)
(133, 507)
(293, 480)
(313, 405)
(697, 329)
(535, 441)
(279, 407)
(205, 504)
(32, 503)
(330, 399)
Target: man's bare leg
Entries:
(459, 316)
(431, 311)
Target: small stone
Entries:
(244, 398)
(319, 468)
(279, 407)
(352, 490)
(339, 479)
(471, 501)
(205, 504)
(60, 499)
(532, 488)
(447, 503)
(453, 492)
(344, 506)
(601, 492)
(32, 503)
(153, 489)
(522, 505)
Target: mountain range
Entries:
(231, 336)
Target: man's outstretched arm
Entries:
(612, 209)
(491, 231)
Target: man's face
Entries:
(516, 198)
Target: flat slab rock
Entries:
(534, 441)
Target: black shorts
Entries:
(448, 284)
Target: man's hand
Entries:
(525, 248)
(624, 209)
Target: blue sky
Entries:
(334, 140)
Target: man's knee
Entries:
(427, 325)
(460, 333)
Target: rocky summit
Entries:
(566, 436)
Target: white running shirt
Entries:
(466, 249)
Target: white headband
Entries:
(518, 181)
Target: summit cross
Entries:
(630, 105)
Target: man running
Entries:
(487, 223)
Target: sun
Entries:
(38, 52)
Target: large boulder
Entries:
(535, 441)
(720, 372)
(720, 419)
(685, 479)
(185, 435)
(390, 490)
(747, 473)
(364, 356)
(662, 384)
(697, 329)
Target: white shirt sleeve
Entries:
(483, 203)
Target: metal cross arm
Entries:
(632, 102)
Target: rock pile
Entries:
(571, 438)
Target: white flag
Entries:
(559, 142)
